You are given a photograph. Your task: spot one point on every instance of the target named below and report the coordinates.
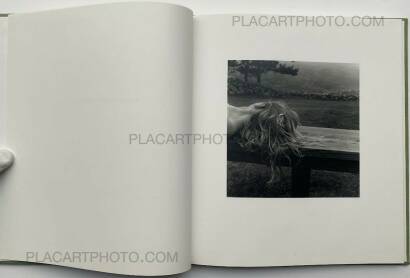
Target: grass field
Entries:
(313, 112)
(249, 180)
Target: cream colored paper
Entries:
(80, 81)
(279, 232)
(83, 187)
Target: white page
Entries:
(3, 57)
(230, 231)
(80, 81)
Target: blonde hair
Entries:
(273, 131)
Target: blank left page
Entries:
(81, 83)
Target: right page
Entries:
(312, 166)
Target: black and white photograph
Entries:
(293, 129)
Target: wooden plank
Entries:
(323, 148)
(330, 143)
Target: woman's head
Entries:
(272, 130)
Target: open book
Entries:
(148, 139)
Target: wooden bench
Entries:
(322, 149)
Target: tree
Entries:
(243, 67)
(257, 68)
